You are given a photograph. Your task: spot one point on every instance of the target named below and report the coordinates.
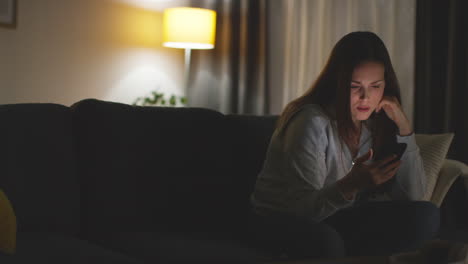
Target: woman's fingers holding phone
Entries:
(383, 162)
(367, 156)
(385, 170)
(391, 167)
(389, 171)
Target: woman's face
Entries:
(367, 89)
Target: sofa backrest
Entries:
(37, 167)
(154, 168)
(250, 136)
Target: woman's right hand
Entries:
(363, 176)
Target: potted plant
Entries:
(157, 98)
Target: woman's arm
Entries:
(305, 143)
(410, 181)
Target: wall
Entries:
(65, 51)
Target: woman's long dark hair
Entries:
(331, 90)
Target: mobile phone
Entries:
(398, 150)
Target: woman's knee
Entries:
(424, 218)
(297, 237)
(318, 241)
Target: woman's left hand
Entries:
(393, 109)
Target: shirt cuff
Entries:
(410, 141)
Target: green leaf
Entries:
(137, 101)
(172, 100)
(158, 98)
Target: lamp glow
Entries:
(189, 28)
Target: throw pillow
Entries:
(7, 226)
(433, 149)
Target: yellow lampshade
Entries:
(189, 28)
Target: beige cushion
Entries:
(433, 149)
(450, 171)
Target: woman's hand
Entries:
(394, 111)
(363, 176)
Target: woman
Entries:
(328, 187)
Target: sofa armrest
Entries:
(450, 171)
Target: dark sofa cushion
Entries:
(37, 167)
(40, 247)
(153, 168)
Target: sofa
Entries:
(108, 182)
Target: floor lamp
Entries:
(189, 28)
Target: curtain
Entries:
(232, 78)
(268, 52)
(442, 72)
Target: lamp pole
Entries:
(187, 73)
